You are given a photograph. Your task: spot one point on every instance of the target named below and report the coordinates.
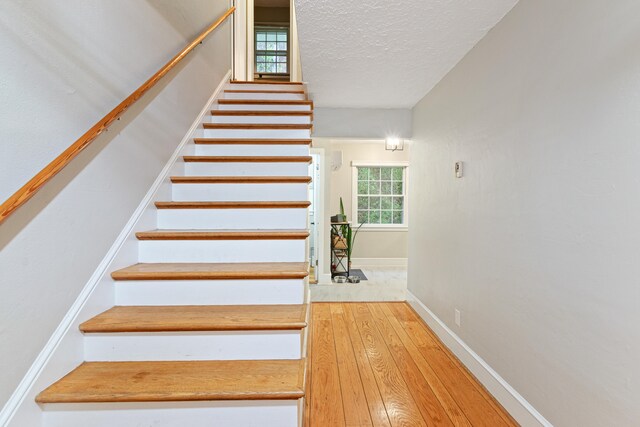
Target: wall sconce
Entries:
(394, 144)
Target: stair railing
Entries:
(27, 191)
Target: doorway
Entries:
(265, 41)
(271, 40)
(315, 217)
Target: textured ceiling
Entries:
(382, 54)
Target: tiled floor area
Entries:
(385, 283)
(378, 364)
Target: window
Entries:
(380, 195)
(272, 53)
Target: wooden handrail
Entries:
(21, 196)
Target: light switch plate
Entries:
(458, 169)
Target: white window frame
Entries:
(276, 53)
(354, 196)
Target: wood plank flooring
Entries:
(379, 364)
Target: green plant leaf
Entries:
(363, 174)
(398, 202)
(363, 202)
(397, 174)
(385, 202)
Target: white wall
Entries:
(65, 65)
(361, 123)
(538, 244)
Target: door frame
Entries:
(243, 42)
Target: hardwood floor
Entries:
(378, 364)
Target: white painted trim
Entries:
(240, 33)
(392, 228)
(22, 391)
(250, 35)
(295, 69)
(324, 279)
(400, 164)
(386, 262)
(348, 140)
(521, 410)
(321, 231)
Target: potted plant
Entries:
(351, 240)
(341, 217)
(347, 237)
(339, 240)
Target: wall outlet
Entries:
(457, 315)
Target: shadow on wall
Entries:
(174, 13)
(58, 47)
(90, 69)
(144, 138)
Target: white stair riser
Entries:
(262, 95)
(221, 250)
(239, 192)
(209, 292)
(266, 107)
(256, 413)
(251, 150)
(232, 219)
(258, 133)
(236, 345)
(263, 86)
(261, 119)
(246, 169)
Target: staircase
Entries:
(209, 327)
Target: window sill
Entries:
(383, 228)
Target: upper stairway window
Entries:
(272, 50)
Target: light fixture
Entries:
(394, 144)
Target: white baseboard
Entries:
(324, 279)
(382, 262)
(25, 388)
(521, 410)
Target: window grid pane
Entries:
(380, 195)
(271, 51)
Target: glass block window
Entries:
(272, 52)
(381, 195)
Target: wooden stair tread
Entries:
(258, 126)
(178, 381)
(213, 271)
(300, 92)
(248, 159)
(223, 235)
(241, 179)
(260, 141)
(266, 101)
(234, 205)
(260, 113)
(191, 318)
(263, 82)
